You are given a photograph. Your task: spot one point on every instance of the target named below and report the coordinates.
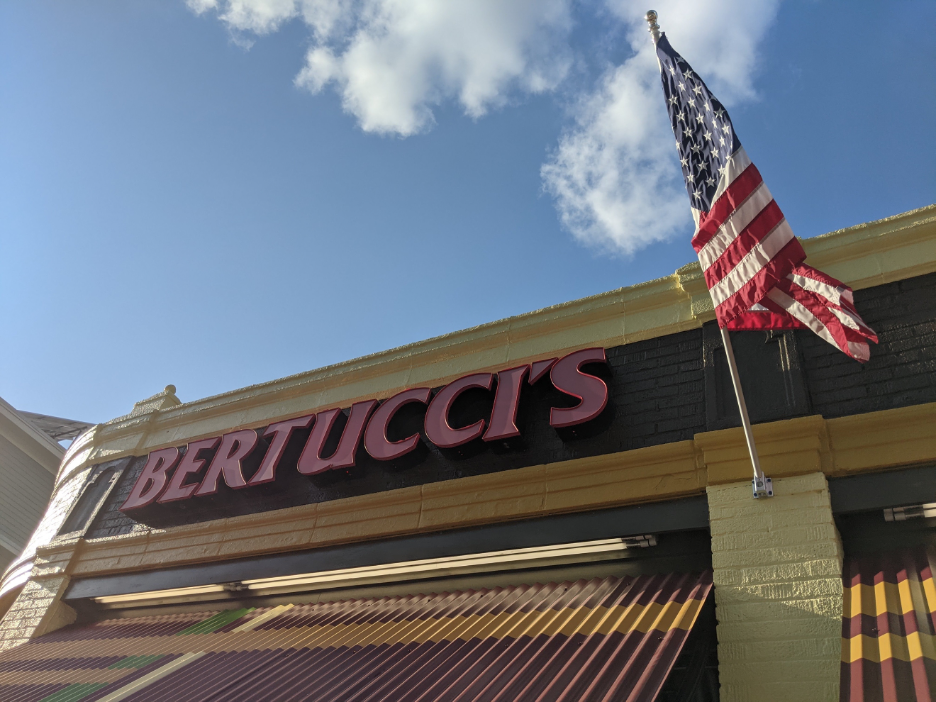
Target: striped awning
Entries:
(601, 639)
(889, 628)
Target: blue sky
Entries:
(227, 192)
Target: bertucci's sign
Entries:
(171, 475)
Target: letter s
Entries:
(590, 390)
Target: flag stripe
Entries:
(769, 316)
(754, 266)
(825, 285)
(738, 163)
(818, 318)
(755, 290)
(765, 223)
(736, 223)
(738, 186)
(832, 316)
(802, 313)
(830, 292)
(835, 295)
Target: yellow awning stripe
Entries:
(881, 648)
(884, 597)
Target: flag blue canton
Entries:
(705, 136)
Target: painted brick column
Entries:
(39, 609)
(778, 591)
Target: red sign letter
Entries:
(506, 400)
(591, 391)
(311, 461)
(539, 368)
(190, 463)
(234, 448)
(152, 479)
(280, 431)
(438, 429)
(375, 437)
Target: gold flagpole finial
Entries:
(654, 30)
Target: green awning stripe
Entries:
(73, 693)
(221, 619)
(135, 661)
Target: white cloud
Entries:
(403, 57)
(393, 61)
(614, 174)
(257, 16)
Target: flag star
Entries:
(724, 168)
(708, 107)
(719, 112)
(672, 70)
(708, 135)
(680, 117)
(696, 148)
(697, 89)
(691, 102)
(711, 181)
(684, 161)
(700, 118)
(721, 140)
(678, 146)
(689, 73)
(696, 194)
(673, 100)
(702, 166)
(690, 177)
(682, 86)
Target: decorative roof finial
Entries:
(654, 30)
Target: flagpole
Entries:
(762, 485)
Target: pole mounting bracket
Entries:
(764, 488)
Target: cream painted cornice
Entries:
(869, 254)
(877, 253)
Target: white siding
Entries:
(25, 487)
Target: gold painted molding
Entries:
(879, 440)
(855, 444)
(873, 441)
(786, 448)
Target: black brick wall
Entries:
(902, 369)
(657, 395)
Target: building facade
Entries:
(552, 506)
(29, 461)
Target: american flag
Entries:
(753, 263)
